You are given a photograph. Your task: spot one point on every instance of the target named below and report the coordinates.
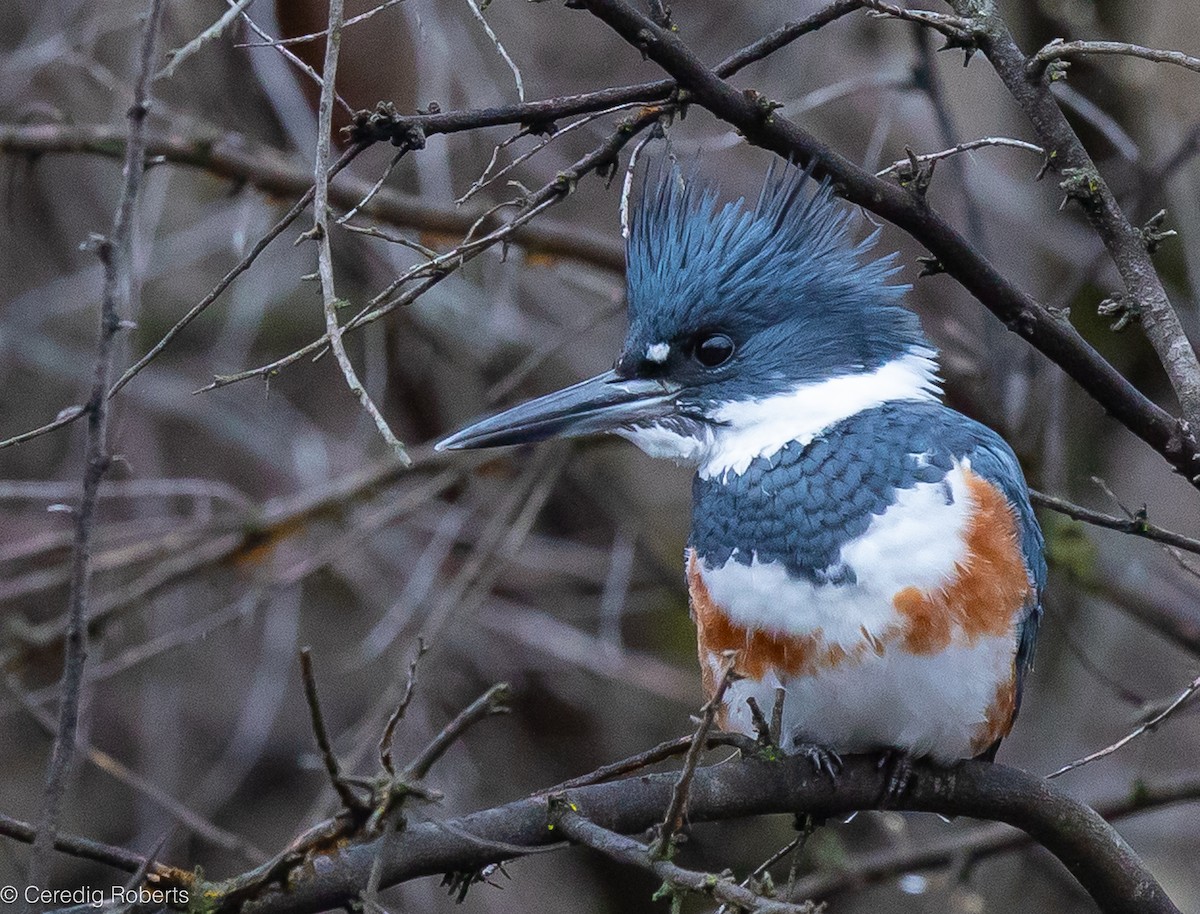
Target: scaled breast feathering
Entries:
(854, 540)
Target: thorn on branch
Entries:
(1152, 234)
(1124, 307)
(1082, 184)
(930, 266)
(915, 176)
(765, 105)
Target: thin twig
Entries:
(1065, 50)
(777, 715)
(494, 701)
(673, 820)
(960, 148)
(436, 270)
(652, 756)
(116, 255)
(1146, 727)
(792, 847)
(320, 232)
(1134, 525)
(633, 853)
(292, 58)
(953, 27)
(210, 34)
(495, 40)
(86, 849)
(627, 183)
(350, 800)
(389, 731)
(313, 36)
(375, 188)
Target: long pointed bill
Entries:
(600, 404)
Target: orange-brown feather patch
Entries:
(990, 590)
(758, 652)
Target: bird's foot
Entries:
(823, 759)
(900, 775)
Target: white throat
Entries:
(743, 430)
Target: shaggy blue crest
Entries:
(784, 278)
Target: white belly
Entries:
(932, 705)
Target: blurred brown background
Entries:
(555, 568)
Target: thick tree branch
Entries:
(1090, 848)
(959, 847)
(1052, 335)
(1083, 182)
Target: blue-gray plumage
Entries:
(854, 540)
(800, 299)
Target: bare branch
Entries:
(320, 232)
(116, 255)
(389, 731)
(967, 847)
(960, 148)
(1068, 50)
(676, 879)
(495, 40)
(293, 59)
(210, 34)
(350, 800)
(1094, 853)
(664, 843)
(1135, 526)
(1048, 332)
(313, 36)
(1083, 183)
(494, 701)
(956, 29)
(1146, 727)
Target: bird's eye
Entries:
(714, 351)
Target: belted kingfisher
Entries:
(854, 540)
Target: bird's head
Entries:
(749, 327)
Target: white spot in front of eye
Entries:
(657, 352)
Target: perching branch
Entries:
(1093, 852)
(116, 255)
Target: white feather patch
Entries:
(748, 429)
(658, 352)
(928, 705)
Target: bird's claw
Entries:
(823, 760)
(900, 775)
